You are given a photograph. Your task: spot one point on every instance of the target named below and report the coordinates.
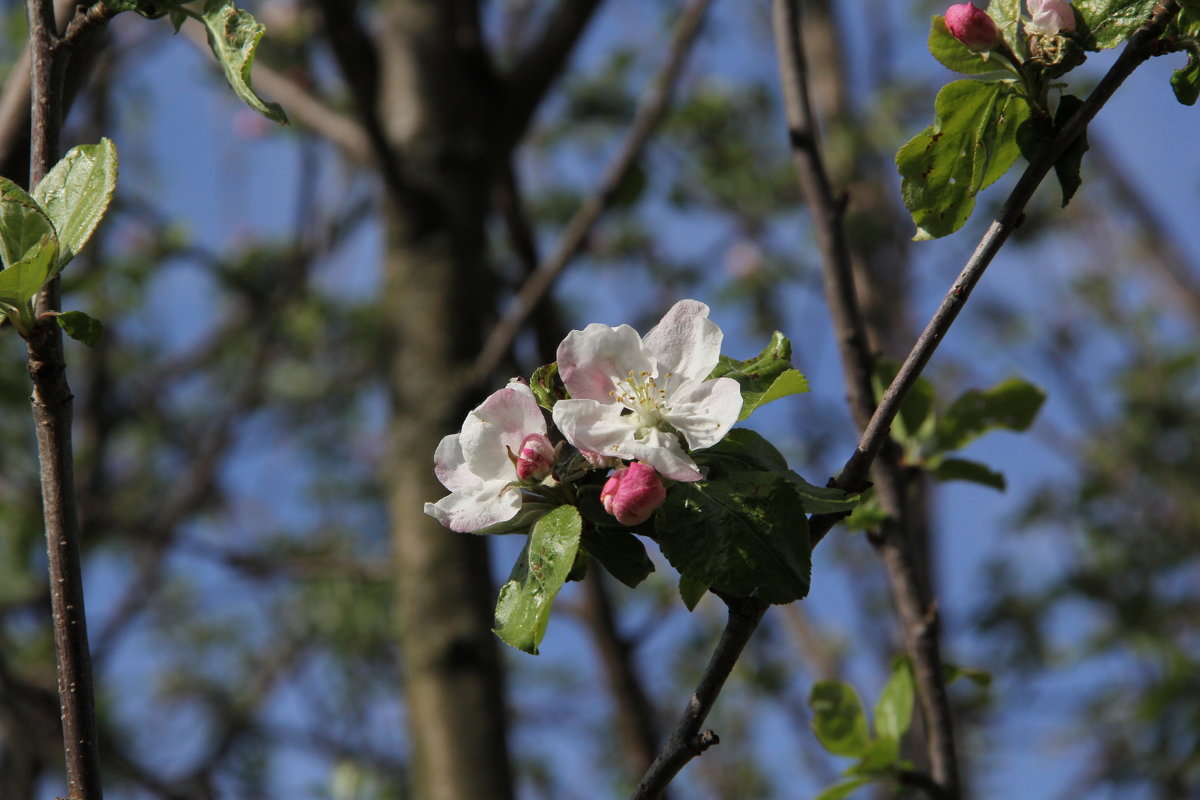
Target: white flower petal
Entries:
(594, 426)
(685, 342)
(499, 423)
(474, 464)
(450, 465)
(704, 411)
(662, 451)
(484, 504)
(589, 360)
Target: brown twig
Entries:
(687, 740)
(574, 236)
(918, 615)
(52, 417)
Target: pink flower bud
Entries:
(1050, 17)
(536, 458)
(972, 27)
(632, 493)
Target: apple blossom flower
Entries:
(972, 26)
(1050, 17)
(479, 464)
(644, 398)
(632, 493)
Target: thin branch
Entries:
(653, 108)
(687, 741)
(827, 213)
(918, 615)
(52, 418)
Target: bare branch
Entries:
(51, 402)
(918, 615)
(687, 741)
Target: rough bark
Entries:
(435, 98)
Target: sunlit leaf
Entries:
(523, 609)
(81, 327)
(23, 223)
(233, 35)
(76, 193)
(972, 142)
(839, 720)
(1011, 405)
(766, 377)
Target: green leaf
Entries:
(972, 142)
(955, 55)
(81, 327)
(1007, 15)
(893, 712)
(744, 449)
(961, 469)
(766, 377)
(880, 758)
(523, 610)
(619, 552)
(1185, 81)
(822, 499)
(839, 720)
(867, 516)
(23, 223)
(980, 677)
(547, 386)
(842, 790)
(76, 192)
(742, 533)
(24, 279)
(1011, 405)
(1108, 23)
(691, 591)
(1066, 169)
(233, 35)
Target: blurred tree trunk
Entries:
(436, 100)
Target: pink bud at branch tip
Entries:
(536, 458)
(632, 493)
(972, 27)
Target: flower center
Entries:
(640, 393)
